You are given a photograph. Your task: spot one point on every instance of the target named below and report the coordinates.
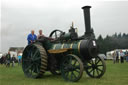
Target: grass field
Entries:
(116, 74)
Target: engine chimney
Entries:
(86, 10)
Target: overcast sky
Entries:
(19, 17)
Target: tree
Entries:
(116, 41)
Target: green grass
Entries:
(116, 74)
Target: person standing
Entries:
(126, 56)
(8, 59)
(114, 57)
(117, 57)
(13, 60)
(40, 35)
(31, 37)
(121, 56)
(19, 59)
(2, 60)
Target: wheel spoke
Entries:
(66, 74)
(99, 65)
(90, 70)
(93, 61)
(34, 69)
(74, 75)
(31, 55)
(77, 71)
(37, 68)
(98, 61)
(71, 75)
(93, 72)
(99, 69)
(74, 62)
(27, 51)
(28, 67)
(32, 51)
(37, 63)
(70, 60)
(37, 58)
(90, 62)
(34, 55)
(31, 70)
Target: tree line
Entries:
(116, 41)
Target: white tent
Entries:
(109, 54)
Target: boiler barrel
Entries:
(84, 48)
(75, 46)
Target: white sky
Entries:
(19, 17)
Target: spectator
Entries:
(126, 56)
(121, 56)
(117, 57)
(114, 57)
(13, 60)
(19, 59)
(31, 37)
(8, 59)
(2, 60)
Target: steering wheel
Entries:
(56, 34)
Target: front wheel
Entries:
(95, 67)
(72, 68)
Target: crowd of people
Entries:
(8, 61)
(120, 56)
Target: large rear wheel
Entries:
(34, 60)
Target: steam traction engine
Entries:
(68, 54)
